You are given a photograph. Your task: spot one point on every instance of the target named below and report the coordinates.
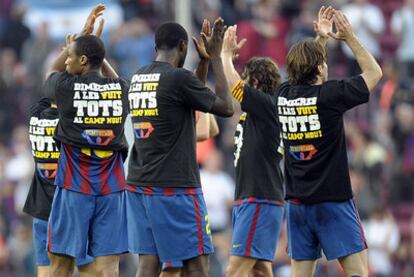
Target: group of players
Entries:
(85, 211)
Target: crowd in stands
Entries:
(380, 134)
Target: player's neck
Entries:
(319, 81)
(89, 70)
(168, 56)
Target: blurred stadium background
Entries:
(380, 134)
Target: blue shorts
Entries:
(40, 244)
(334, 227)
(256, 230)
(81, 224)
(174, 227)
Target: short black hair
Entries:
(92, 47)
(169, 35)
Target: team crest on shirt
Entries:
(98, 137)
(143, 130)
(47, 170)
(303, 152)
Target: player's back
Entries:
(163, 100)
(92, 110)
(42, 124)
(314, 139)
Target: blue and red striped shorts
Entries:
(90, 171)
(171, 223)
(257, 224)
(333, 227)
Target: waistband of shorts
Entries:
(239, 202)
(165, 191)
(295, 201)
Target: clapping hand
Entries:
(323, 26)
(199, 43)
(96, 12)
(214, 43)
(343, 27)
(230, 45)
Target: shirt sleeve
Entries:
(345, 94)
(253, 101)
(125, 88)
(195, 94)
(38, 107)
(58, 81)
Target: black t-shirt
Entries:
(42, 124)
(92, 110)
(163, 100)
(257, 145)
(316, 164)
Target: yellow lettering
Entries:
(114, 120)
(150, 86)
(94, 120)
(295, 136)
(112, 94)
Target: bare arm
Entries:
(323, 26)
(203, 126)
(108, 71)
(58, 65)
(230, 49)
(223, 105)
(371, 71)
(206, 127)
(202, 68)
(214, 128)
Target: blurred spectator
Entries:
(35, 52)
(21, 249)
(383, 238)
(302, 27)
(402, 189)
(132, 45)
(394, 88)
(402, 25)
(266, 34)
(382, 163)
(5, 7)
(364, 197)
(218, 189)
(368, 23)
(15, 32)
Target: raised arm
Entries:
(229, 51)
(223, 105)
(202, 68)
(323, 26)
(58, 65)
(371, 71)
(213, 128)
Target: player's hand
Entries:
(214, 43)
(230, 44)
(343, 27)
(96, 12)
(70, 38)
(199, 43)
(323, 26)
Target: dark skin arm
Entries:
(202, 68)
(59, 63)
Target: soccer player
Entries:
(258, 208)
(42, 124)
(88, 211)
(167, 217)
(320, 211)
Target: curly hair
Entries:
(303, 60)
(265, 71)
